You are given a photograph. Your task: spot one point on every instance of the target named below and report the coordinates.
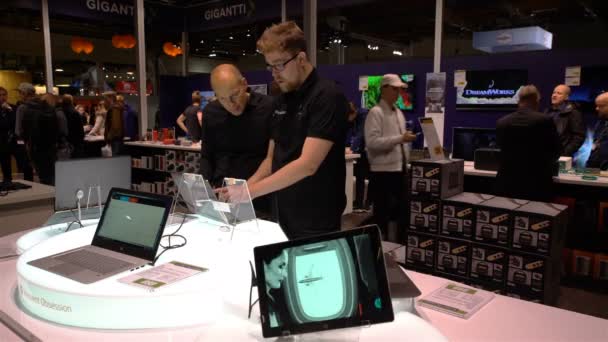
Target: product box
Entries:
(527, 297)
(420, 253)
(582, 263)
(459, 213)
(533, 276)
(192, 157)
(453, 256)
(494, 220)
(488, 264)
(425, 214)
(170, 156)
(171, 166)
(540, 228)
(600, 267)
(437, 178)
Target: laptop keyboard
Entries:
(93, 261)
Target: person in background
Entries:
(64, 149)
(385, 138)
(129, 117)
(114, 133)
(355, 141)
(568, 121)
(101, 111)
(189, 120)
(599, 150)
(85, 117)
(41, 131)
(26, 93)
(75, 128)
(529, 150)
(235, 131)
(305, 165)
(7, 135)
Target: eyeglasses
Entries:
(280, 66)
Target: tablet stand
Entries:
(241, 206)
(254, 283)
(197, 197)
(346, 334)
(92, 188)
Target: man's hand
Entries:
(233, 194)
(5, 105)
(408, 136)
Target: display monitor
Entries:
(491, 89)
(465, 140)
(406, 97)
(88, 173)
(593, 81)
(330, 281)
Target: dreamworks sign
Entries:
(230, 11)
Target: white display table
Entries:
(207, 307)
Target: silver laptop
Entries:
(126, 238)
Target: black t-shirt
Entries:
(194, 129)
(317, 109)
(235, 146)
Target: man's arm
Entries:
(314, 152)
(374, 140)
(577, 129)
(180, 122)
(265, 168)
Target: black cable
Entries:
(76, 220)
(170, 246)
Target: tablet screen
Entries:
(331, 281)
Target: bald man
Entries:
(568, 121)
(599, 150)
(235, 129)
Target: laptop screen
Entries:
(327, 282)
(132, 223)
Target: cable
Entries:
(170, 246)
(76, 220)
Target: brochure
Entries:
(457, 300)
(162, 275)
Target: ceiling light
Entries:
(212, 55)
(202, 41)
(248, 35)
(107, 76)
(231, 37)
(397, 53)
(59, 70)
(114, 76)
(129, 72)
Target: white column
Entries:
(48, 61)
(310, 30)
(141, 66)
(438, 119)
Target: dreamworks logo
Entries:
(491, 85)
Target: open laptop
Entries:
(127, 237)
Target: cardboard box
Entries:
(527, 297)
(437, 178)
(420, 253)
(533, 276)
(540, 228)
(488, 264)
(425, 214)
(459, 213)
(494, 220)
(600, 266)
(170, 156)
(582, 263)
(453, 256)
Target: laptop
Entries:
(127, 237)
(331, 281)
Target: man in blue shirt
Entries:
(599, 150)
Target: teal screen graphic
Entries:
(322, 281)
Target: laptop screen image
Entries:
(331, 281)
(133, 223)
(130, 219)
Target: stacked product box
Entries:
(494, 220)
(420, 252)
(459, 214)
(438, 179)
(533, 277)
(540, 228)
(425, 214)
(453, 257)
(488, 267)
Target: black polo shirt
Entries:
(235, 146)
(317, 109)
(194, 128)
